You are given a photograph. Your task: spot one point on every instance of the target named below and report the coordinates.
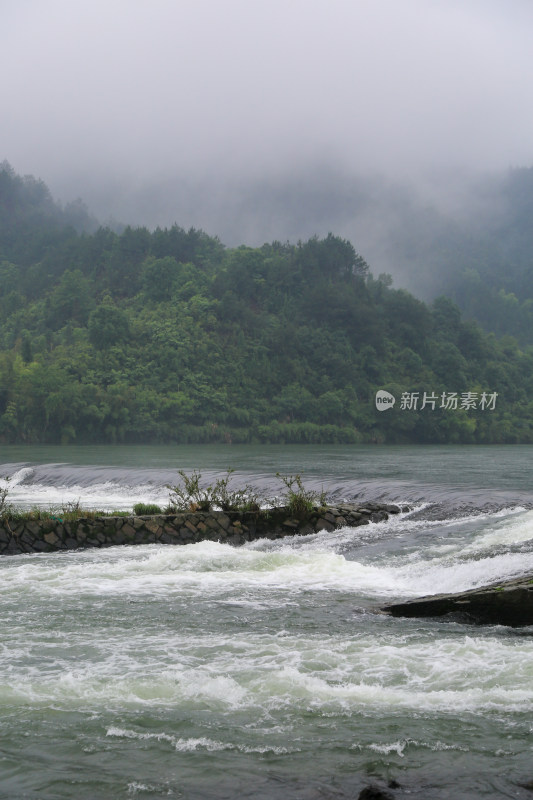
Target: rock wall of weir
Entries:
(52, 535)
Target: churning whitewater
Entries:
(209, 671)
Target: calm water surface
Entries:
(266, 671)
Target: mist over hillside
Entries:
(458, 233)
(462, 234)
(394, 125)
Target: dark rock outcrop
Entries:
(506, 603)
(374, 792)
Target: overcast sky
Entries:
(133, 92)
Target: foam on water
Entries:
(61, 484)
(207, 567)
(480, 551)
(265, 673)
(461, 554)
(108, 496)
(211, 569)
(190, 745)
(399, 747)
(17, 478)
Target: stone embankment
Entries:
(51, 535)
(506, 603)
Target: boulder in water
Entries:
(374, 792)
(507, 603)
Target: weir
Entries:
(27, 535)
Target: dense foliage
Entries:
(168, 336)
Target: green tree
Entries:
(108, 325)
(71, 300)
(159, 276)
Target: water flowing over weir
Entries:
(209, 671)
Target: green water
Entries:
(264, 672)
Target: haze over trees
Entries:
(169, 336)
(465, 235)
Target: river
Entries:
(207, 671)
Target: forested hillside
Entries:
(168, 336)
(467, 236)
